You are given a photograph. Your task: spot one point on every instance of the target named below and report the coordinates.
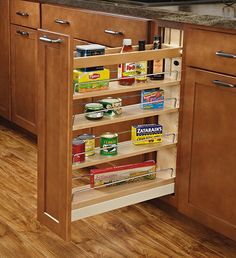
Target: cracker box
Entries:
(152, 99)
(91, 81)
(123, 174)
(146, 134)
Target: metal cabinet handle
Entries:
(59, 21)
(223, 54)
(22, 33)
(224, 84)
(112, 32)
(25, 14)
(48, 40)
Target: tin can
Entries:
(78, 151)
(89, 143)
(108, 144)
(94, 111)
(113, 106)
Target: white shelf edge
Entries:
(123, 201)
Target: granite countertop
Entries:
(148, 12)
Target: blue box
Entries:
(152, 99)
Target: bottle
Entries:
(126, 70)
(157, 65)
(141, 66)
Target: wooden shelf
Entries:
(87, 202)
(125, 149)
(130, 112)
(115, 88)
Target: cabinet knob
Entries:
(224, 84)
(223, 54)
(24, 14)
(22, 33)
(63, 22)
(48, 40)
(112, 32)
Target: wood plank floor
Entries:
(150, 229)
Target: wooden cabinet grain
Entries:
(207, 180)
(5, 61)
(23, 77)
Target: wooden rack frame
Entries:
(55, 207)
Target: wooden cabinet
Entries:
(206, 184)
(5, 93)
(75, 198)
(96, 27)
(23, 77)
(25, 13)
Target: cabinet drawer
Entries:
(93, 26)
(25, 13)
(201, 48)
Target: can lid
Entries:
(90, 47)
(86, 136)
(127, 42)
(110, 100)
(94, 106)
(109, 135)
(77, 141)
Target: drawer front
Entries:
(201, 48)
(25, 13)
(93, 26)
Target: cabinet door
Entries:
(4, 60)
(23, 77)
(207, 187)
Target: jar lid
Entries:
(94, 106)
(127, 42)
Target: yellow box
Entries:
(146, 134)
(91, 81)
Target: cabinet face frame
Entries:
(5, 91)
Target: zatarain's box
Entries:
(145, 134)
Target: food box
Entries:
(122, 174)
(146, 133)
(152, 99)
(90, 81)
(90, 50)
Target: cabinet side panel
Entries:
(4, 60)
(54, 136)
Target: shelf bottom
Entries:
(93, 202)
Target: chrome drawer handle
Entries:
(48, 40)
(24, 14)
(23, 33)
(112, 32)
(224, 84)
(223, 54)
(59, 21)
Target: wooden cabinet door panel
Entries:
(208, 154)
(5, 62)
(23, 77)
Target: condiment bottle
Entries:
(157, 65)
(126, 70)
(141, 66)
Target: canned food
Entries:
(113, 106)
(108, 144)
(78, 151)
(94, 111)
(89, 143)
